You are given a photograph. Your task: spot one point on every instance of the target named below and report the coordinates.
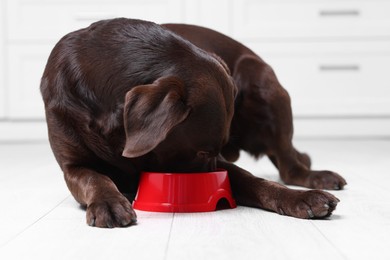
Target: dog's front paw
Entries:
(326, 180)
(307, 204)
(111, 211)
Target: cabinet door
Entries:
(2, 54)
(42, 20)
(333, 80)
(25, 66)
(213, 14)
(336, 85)
(310, 19)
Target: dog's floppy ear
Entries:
(151, 112)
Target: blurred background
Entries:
(332, 56)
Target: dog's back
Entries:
(212, 41)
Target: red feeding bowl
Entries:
(184, 192)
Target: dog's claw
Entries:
(281, 212)
(128, 223)
(110, 225)
(310, 213)
(125, 223)
(323, 213)
(92, 222)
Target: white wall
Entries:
(332, 56)
(2, 60)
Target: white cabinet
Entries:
(34, 26)
(343, 79)
(333, 19)
(40, 20)
(214, 14)
(2, 61)
(26, 65)
(331, 55)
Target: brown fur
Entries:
(262, 123)
(124, 96)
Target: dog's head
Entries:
(182, 120)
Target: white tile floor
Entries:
(40, 220)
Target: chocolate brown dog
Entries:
(262, 123)
(124, 96)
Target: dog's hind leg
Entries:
(263, 123)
